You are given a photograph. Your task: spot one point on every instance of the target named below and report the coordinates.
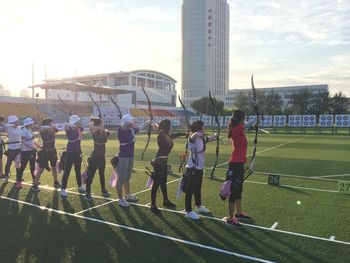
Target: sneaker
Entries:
(155, 209)
(243, 216)
(35, 188)
(56, 185)
(18, 185)
(169, 204)
(105, 193)
(192, 215)
(63, 193)
(81, 189)
(123, 203)
(131, 198)
(233, 222)
(88, 197)
(202, 209)
(6, 179)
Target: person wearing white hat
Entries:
(14, 143)
(126, 136)
(73, 154)
(28, 154)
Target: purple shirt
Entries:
(73, 136)
(127, 142)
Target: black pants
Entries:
(72, 158)
(27, 156)
(160, 177)
(96, 161)
(195, 187)
(237, 176)
(11, 156)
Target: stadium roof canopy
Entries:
(79, 87)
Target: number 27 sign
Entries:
(344, 187)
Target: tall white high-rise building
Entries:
(205, 48)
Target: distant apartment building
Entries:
(205, 48)
(285, 93)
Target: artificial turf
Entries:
(36, 234)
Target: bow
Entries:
(64, 104)
(38, 119)
(188, 130)
(98, 107)
(217, 135)
(150, 122)
(250, 170)
(115, 104)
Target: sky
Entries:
(281, 42)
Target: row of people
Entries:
(21, 141)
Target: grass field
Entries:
(43, 227)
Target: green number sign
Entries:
(273, 179)
(344, 187)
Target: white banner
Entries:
(342, 121)
(294, 120)
(309, 121)
(227, 120)
(279, 121)
(266, 121)
(207, 120)
(326, 120)
(194, 118)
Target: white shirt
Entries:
(196, 158)
(27, 140)
(14, 135)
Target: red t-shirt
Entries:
(239, 144)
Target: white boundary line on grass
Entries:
(217, 219)
(296, 187)
(331, 175)
(115, 200)
(190, 243)
(274, 225)
(268, 149)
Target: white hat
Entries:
(73, 119)
(126, 120)
(12, 119)
(28, 121)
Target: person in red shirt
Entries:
(236, 171)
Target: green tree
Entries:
(301, 102)
(339, 103)
(272, 103)
(204, 106)
(243, 102)
(320, 103)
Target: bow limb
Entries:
(217, 136)
(98, 107)
(250, 170)
(188, 130)
(150, 122)
(120, 115)
(64, 104)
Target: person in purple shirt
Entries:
(73, 154)
(126, 136)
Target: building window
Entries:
(121, 80)
(209, 10)
(209, 31)
(209, 17)
(209, 24)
